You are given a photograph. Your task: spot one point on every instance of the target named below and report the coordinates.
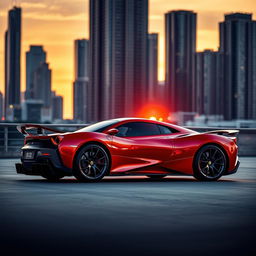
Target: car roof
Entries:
(138, 119)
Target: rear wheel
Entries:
(92, 163)
(157, 176)
(210, 163)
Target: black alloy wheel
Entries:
(210, 163)
(92, 163)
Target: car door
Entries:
(139, 144)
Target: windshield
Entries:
(99, 127)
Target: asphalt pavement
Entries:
(128, 215)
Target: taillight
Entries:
(234, 139)
(56, 140)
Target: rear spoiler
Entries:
(24, 128)
(229, 133)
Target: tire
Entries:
(92, 163)
(210, 163)
(157, 176)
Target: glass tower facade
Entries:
(238, 45)
(118, 57)
(180, 47)
(12, 62)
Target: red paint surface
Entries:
(147, 154)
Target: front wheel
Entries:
(210, 163)
(91, 164)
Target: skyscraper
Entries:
(1, 106)
(42, 84)
(32, 110)
(238, 45)
(57, 106)
(180, 47)
(209, 89)
(42, 90)
(34, 57)
(12, 64)
(152, 66)
(80, 85)
(37, 105)
(118, 57)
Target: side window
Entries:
(166, 130)
(134, 129)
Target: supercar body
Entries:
(128, 146)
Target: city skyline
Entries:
(62, 86)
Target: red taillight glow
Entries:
(45, 154)
(234, 139)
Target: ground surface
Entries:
(128, 216)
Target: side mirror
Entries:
(112, 131)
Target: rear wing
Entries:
(228, 133)
(38, 129)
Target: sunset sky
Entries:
(55, 24)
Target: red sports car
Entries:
(128, 146)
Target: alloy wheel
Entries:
(212, 162)
(93, 162)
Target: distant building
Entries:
(42, 90)
(34, 58)
(38, 81)
(180, 47)
(238, 45)
(118, 58)
(13, 113)
(152, 66)
(80, 85)
(46, 115)
(161, 93)
(57, 107)
(42, 82)
(32, 110)
(12, 65)
(1, 106)
(209, 86)
(81, 58)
